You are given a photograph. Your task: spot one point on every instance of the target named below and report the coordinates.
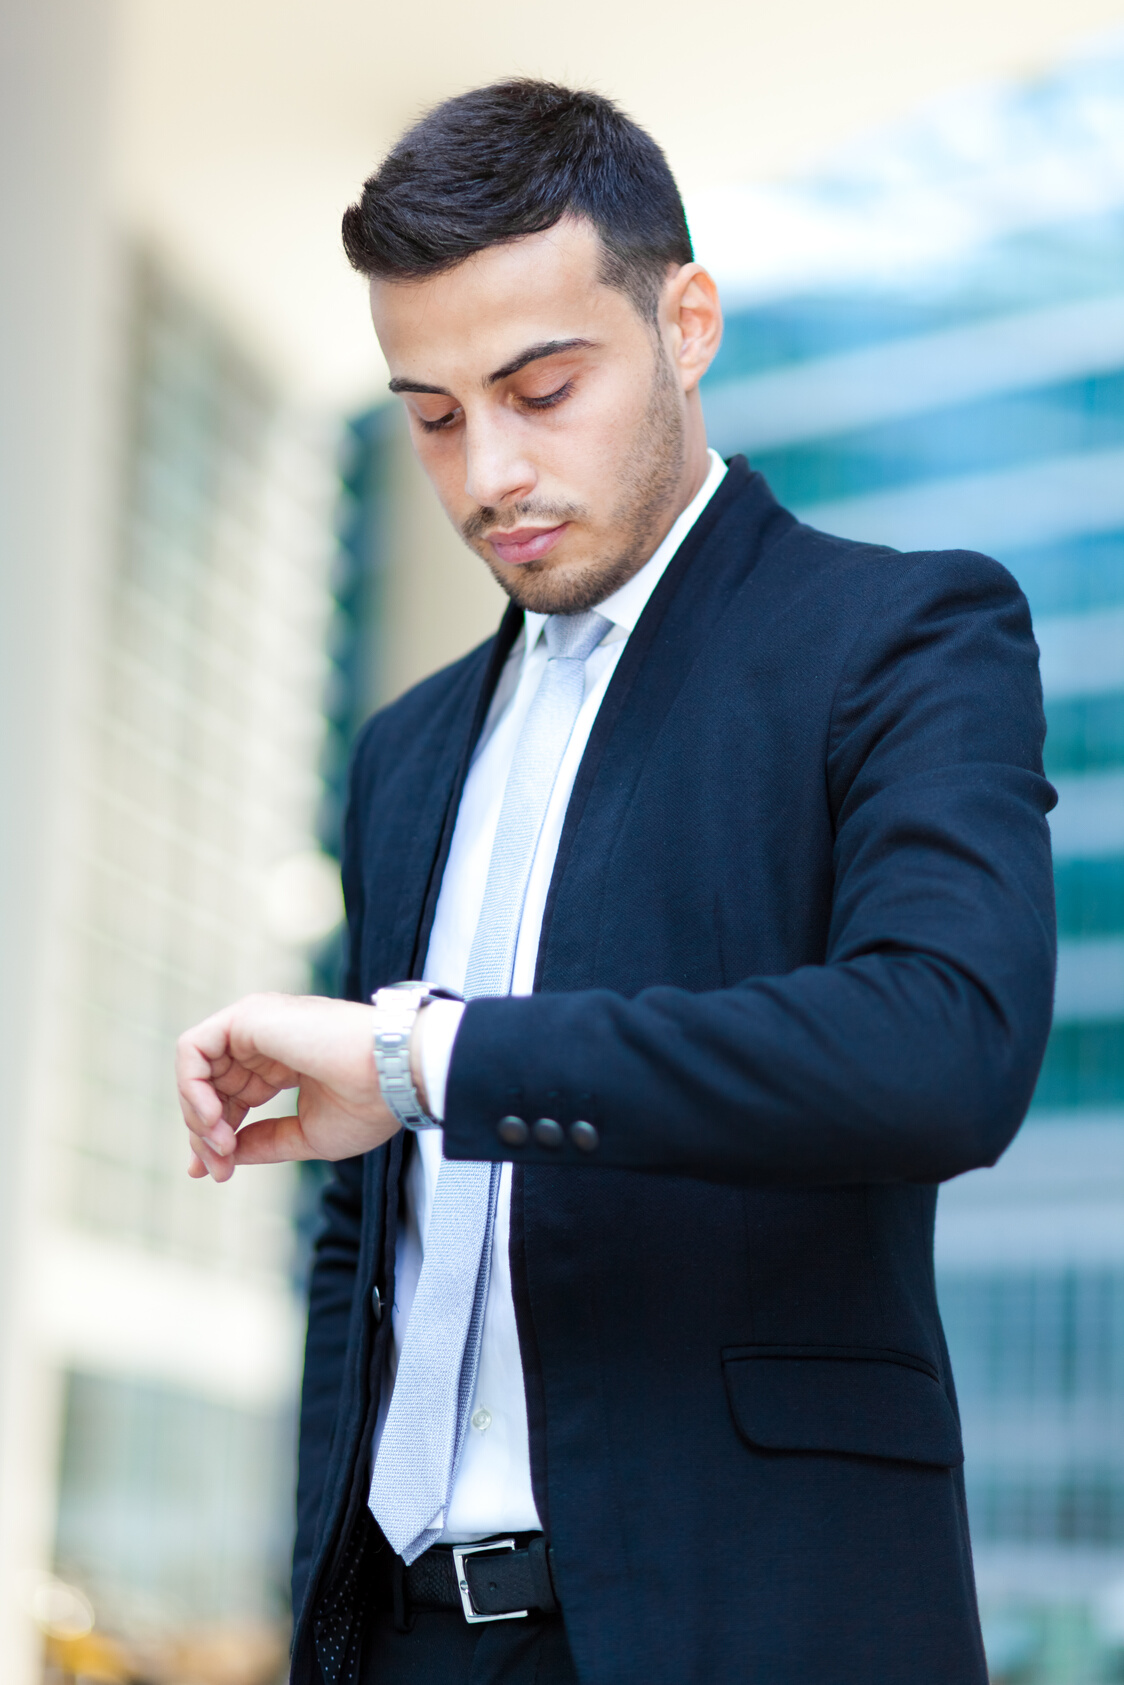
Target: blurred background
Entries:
(216, 557)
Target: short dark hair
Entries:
(513, 159)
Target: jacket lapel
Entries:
(718, 552)
(421, 865)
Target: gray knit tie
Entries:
(426, 1424)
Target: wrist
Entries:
(417, 1063)
(432, 1050)
(396, 1010)
(398, 1050)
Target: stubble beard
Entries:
(652, 473)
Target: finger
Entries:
(210, 1116)
(200, 1103)
(271, 1140)
(216, 1089)
(243, 1035)
(195, 1166)
(253, 1078)
(206, 1070)
(218, 1134)
(218, 1165)
(252, 1088)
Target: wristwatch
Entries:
(396, 1008)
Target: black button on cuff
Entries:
(584, 1136)
(548, 1133)
(512, 1131)
(376, 1304)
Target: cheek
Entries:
(595, 443)
(442, 458)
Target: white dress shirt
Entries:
(492, 1490)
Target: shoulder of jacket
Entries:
(905, 572)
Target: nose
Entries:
(497, 469)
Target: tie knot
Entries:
(574, 637)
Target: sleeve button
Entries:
(512, 1131)
(548, 1133)
(376, 1304)
(584, 1135)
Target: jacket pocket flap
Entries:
(876, 1406)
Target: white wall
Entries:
(54, 297)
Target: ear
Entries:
(691, 322)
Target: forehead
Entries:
(472, 319)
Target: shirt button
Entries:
(548, 1133)
(481, 1419)
(584, 1135)
(512, 1131)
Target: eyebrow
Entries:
(533, 354)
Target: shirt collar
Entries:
(627, 604)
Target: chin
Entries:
(562, 588)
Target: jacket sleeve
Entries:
(335, 1260)
(910, 1053)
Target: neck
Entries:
(696, 456)
(695, 468)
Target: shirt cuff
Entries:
(440, 1021)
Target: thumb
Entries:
(272, 1140)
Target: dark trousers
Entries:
(442, 1649)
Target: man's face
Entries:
(548, 414)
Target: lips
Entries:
(526, 544)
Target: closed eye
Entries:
(549, 399)
(442, 422)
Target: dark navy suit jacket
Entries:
(796, 967)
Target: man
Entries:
(734, 838)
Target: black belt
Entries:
(491, 1580)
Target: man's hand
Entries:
(250, 1052)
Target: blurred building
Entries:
(168, 546)
(170, 1302)
(962, 384)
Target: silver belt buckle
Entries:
(470, 1614)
